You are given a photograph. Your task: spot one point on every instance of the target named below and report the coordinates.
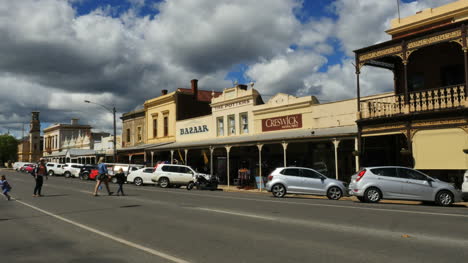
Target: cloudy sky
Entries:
(54, 54)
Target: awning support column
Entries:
(336, 143)
(228, 149)
(260, 146)
(356, 148)
(130, 159)
(211, 159)
(285, 147)
(172, 156)
(186, 151)
(152, 159)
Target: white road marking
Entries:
(295, 203)
(236, 213)
(109, 236)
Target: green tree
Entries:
(8, 148)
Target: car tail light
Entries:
(270, 177)
(360, 175)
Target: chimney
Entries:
(163, 92)
(194, 88)
(74, 121)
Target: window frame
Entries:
(220, 128)
(231, 125)
(241, 125)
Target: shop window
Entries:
(139, 134)
(128, 135)
(220, 126)
(244, 123)
(155, 128)
(231, 125)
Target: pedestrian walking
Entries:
(103, 177)
(120, 176)
(6, 187)
(39, 173)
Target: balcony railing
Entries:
(420, 101)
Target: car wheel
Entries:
(85, 176)
(361, 198)
(444, 198)
(114, 180)
(278, 190)
(334, 193)
(51, 173)
(372, 195)
(67, 174)
(164, 182)
(190, 186)
(138, 181)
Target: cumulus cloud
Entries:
(52, 58)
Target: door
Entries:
(293, 179)
(146, 175)
(416, 186)
(185, 174)
(313, 182)
(388, 182)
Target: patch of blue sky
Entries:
(237, 73)
(117, 7)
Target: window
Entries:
(220, 126)
(155, 128)
(244, 123)
(310, 174)
(411, 174)
(128, 135)
(231, 125)
(170, 169)
(388, 172)
(166, 126)
(50, 165)
(139, 134)
(290, 172)
(148, 170)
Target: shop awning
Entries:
(142, 147)
(265, 138)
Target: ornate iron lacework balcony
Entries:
(451, 97)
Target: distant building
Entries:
(29, 147)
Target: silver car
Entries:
(300, 180)
(393, 182)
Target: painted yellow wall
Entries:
(440, 149)
(159, 106)
(456, 11)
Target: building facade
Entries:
(423, 123)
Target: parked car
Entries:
(27, 168)
(127, 169)
(17, 166)
(141, 176)
(86, 170)
(55, 169)
(393, 182)
(302, 180)
(465, 187)
(72, 170)
(166, 175)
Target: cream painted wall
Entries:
(440, 149)
(207, 121)
(158, 107)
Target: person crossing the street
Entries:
(39, 172)
(103, 177)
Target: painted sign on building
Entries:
(282, 123)
(194, 129)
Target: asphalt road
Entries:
(152, 224)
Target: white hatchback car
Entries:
(55, 169)
(173, 174)
(72, 170)
(141, 176)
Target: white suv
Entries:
(171, 174)
(72, 170)
(55, 168)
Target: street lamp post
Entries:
(115, 128)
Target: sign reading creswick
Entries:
(282, 123)
(194, 129)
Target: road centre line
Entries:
(109, 236)
(294, 203)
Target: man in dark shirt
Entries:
(39, 172)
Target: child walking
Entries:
(120, 176)
(6, 187)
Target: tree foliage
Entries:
(8, 148)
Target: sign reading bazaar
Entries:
(194, 129)
(282, 123)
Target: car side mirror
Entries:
(322, 178)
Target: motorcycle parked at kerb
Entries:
(204, 182)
